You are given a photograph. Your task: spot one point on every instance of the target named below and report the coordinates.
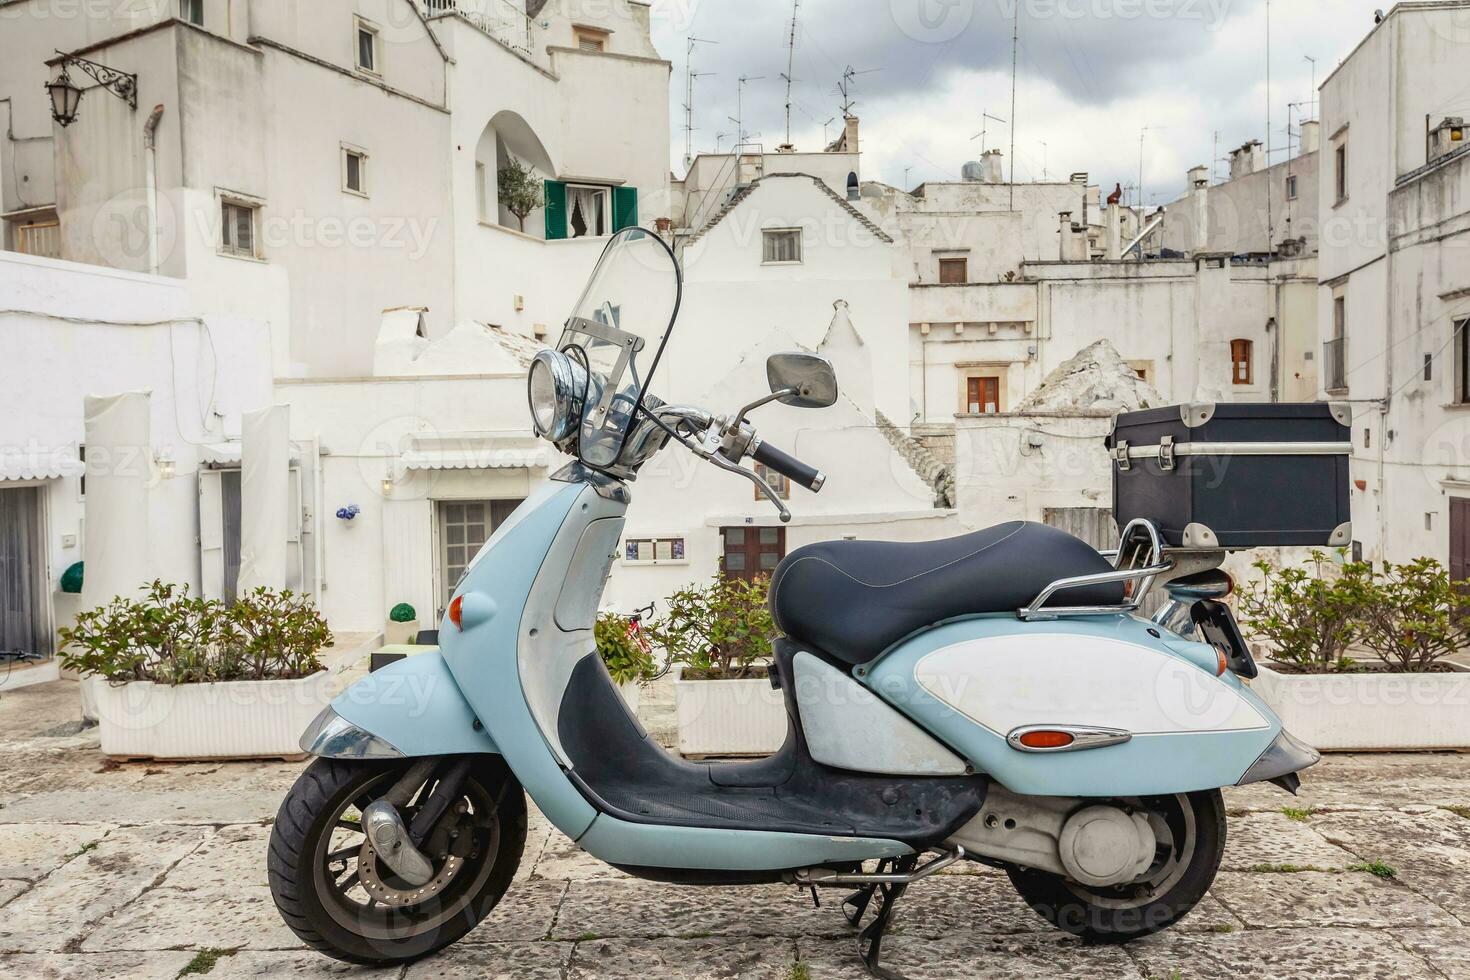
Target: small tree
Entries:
(1419, 615)
(623, 655)
(720, 630)
(519, 189)
(1308, 617)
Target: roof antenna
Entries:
(790, 59)
(689, 76)
(985, 118)
(845, 85)
(740, 133)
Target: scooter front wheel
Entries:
(1190, 832)
(342, 900)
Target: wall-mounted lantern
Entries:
(66, 95)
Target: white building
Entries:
(1394, 298)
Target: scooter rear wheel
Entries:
(342, 901)
(1190, 829)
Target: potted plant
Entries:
(402, 625)
(719, 635)
(626, 654)
(183, 677)
(1400, 620)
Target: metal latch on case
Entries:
(1120, 454)
(1166, 453)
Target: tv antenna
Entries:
(845, 85)
(1314, 84)
(985, 120)
(740, 132)
(689, 76)
(790, 61)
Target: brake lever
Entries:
(719, 460)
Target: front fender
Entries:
(413, 705)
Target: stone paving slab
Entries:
(1447, 950)
(1021, 957)
(32, 851)
(497, 961)
(94, 884)
(647, 959)
(1256, 840)
(600, 909)
(1279, 954)
(299, 964)
(91, 966)
(1324, 899)
(203, 918)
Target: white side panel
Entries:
(847, 727)
(1005, 682)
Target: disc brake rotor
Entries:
(387, 894)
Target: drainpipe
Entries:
(150, 176)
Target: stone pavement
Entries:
(158, 870)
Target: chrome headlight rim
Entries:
(567, 393)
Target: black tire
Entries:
(330, 921)
(1117, 915)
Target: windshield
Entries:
(618, 330)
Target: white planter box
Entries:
(745, 717)
(395, 633)
(1342, 712)
(229, 720)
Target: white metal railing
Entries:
(726, 182)
(503, 20)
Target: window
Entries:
(367, 46)
(780, 245)
(586, 210)
(1291, 187)
(1462, 362)
(590, 38)
(982, 395)
(354, 171)
(778, 482)
(1334, 351)
(464, 527)
(237, 229)
(953, 270)
(40, 237)
(751, 552)
(1428, 367)
(192, 11)
(651, 551)
(1240, 361)
(1340, 158)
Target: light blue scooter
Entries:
(943, 704)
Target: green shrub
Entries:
(1410, 615)
(172, 637)
(403, 613)
(721, 630)
(626, 660)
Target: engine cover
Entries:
(1103, 845)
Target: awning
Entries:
(227, 454)
(36, 463)
(475, 451)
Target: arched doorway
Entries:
(508, 142)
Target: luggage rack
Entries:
(1143, 566)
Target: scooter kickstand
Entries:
(854, 905)
(870, 940)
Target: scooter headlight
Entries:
(556, 387)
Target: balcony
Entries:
(1334, 364)
(995, 302)
(501, 19)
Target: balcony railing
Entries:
(501, 19)
(1334, 364)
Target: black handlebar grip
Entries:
(789, 466)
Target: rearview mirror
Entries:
(808, 380)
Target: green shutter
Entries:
(625, 207)
(556, 209)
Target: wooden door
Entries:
(751, 552)
(1459, 538)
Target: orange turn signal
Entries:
(456, 609)
(1045, 739)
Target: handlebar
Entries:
(788, 466)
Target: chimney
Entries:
(1447, 137)
(993, 172)
(1115, 233)
(1064, 244)
(1311, 136)
(1246, 160)
(850, 134)
(1199, 192)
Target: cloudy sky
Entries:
(1094, 75)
